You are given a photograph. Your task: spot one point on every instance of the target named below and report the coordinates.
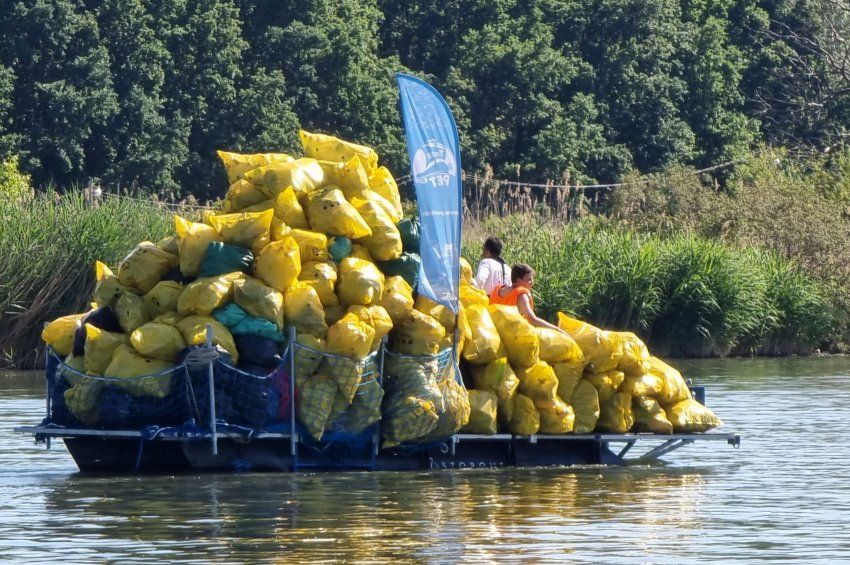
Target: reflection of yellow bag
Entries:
(304, 309)
(131, 312)
(237, 164)
(145, 266)
(279, 264)
(482, 417)
(203, 296)
(606, 383)
(498, 377)
(556, 347)
(108, 288)
(385, 242)
(330, 213)
(568, 377)
(397, 299)
(675, 389)
(585, 404)
(313, 245)
(484, 344)
(525, 420)
(315, 403)
(163, 297)
(126, 364)
(635, 359)
(100, 345)
(602, 349)
(244, 229)
(306, 361)
(689, 416)
(518, 336)
(644, 385)
(350, 337)
(259, 300)
(360, 282)
(158, 341)
(330, 148)
(303, 175)
(194, 240)
(470, 295)
(418, 334)
(383, 183)
(616, 415)
(539, 383)
(322, 276)
(59, 334)
(241, 195)
(650, 417)
(194, 330)
(558, 418)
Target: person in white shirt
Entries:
(492, 270)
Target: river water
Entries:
(784, 495)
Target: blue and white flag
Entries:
(434, 149)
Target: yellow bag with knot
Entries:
(315, 402)
(607, 383)
(350, 176)
(376, 317)
(635, 359)
(307, 361)
(360, 282)
(675, 389)
(350, 337)
(108, 289)
(689, 416)
(525, 420)
(616, 416)
(131, 312)
(286, 209)
(59, 334)
(259, 300)
(397, 299)
(163, 297)
(194, 240)
(585, 404)
(385, 242)
(126, 365)
(145, 266)
(539, 383)
(470, 295)
(194, 331)
(484, 345)
(322, 276)
(568, 376)
(303, 309)
(242, 195)
(558, 418)
(482, 416)
(158, 341)
(330, 148)
(602, 349)
(237, 164)
(244, 229)
(99, 348)
(418, 334)
(437, 311)
(382, 182)
(303, 175)
(465, 272)
(557, 347)
(650, 417)
(518, 336)
(644, 385)
(279, 264)
(498, 377)
(330, 213)
(313, 245)
(204, 295)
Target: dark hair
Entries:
(519, 271)
(494, 246)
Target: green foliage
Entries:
(14, 185)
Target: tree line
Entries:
(142, 92)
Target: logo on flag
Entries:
(434, 164)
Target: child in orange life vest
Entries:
(519, 295)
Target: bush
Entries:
(14, 185)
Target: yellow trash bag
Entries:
(418, 334)
(525, 420)
(518, 336)
(360, 282)
(329, 148)
(244, 229)
(385, 242)
(78, 364)
(237, 164)
(322, 276)
(315, 403)
(158, 341)
(204, 295)
(635, 359)
(485, 344)
(616, 415)
(568, 375)
(163, 297)
(360, 252)
(607, 383)
(558, 418)
(131, 312)
(456, 413)
(650, 417)
(303, 175)
(330, 213)
(437, 311)
(465, 272)
(483, 405)
(194, 331)
(539, 383)
(407, 418)
(334, 313)
(689, 416)
(100, 345)
(346, 372)
(644, 385)
(59, 334)
(108, 289)
(83, 401)
(170, 244)
(279, 264)
(350, 176)
(313, 245)
(365, 409)
(381, 322)
(259, 300)
(194, 240)
(350, 337)
(585, 405)
(303, 309)
(170, 318)
(556, 347)
(286, 209)
(382, 182)
(397, 299)
(675, 389)
(127, 364)
(307, 361)
(602, 349)
(145, 266)
(470, 295)
(339, 407)
(242, 195)
(499, 378)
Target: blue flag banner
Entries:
(434, 150)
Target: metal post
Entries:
(211, 384)
(293, 435)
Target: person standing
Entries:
(492, 270)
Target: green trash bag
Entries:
(221, 259)
(339, 248)
(409, 229)
(239, 322)
(406, 267)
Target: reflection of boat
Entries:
(216, 417)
